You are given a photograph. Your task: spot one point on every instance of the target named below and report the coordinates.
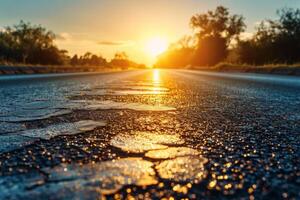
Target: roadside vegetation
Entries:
(219, 43)
(30, 44)
(32, 47)
(280, 69)
(120, 60)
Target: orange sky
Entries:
(106, 26)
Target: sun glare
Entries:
(156, 46)
(156, 76)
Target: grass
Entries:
(282, 69)
(29, 69)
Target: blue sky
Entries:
(86, 25)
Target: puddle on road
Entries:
(40, 107)
(111, 105)
(149, 88)
(120, 88)
(31, 114)
(10, 127)
(120, 91)
(23, 138)
(109, 176)
(172, 152)
(140, 142)
(63, 129)
(139, 92)
(32, 109)
(180, 164)
(77, 181)
(22, 115)
(183, 169)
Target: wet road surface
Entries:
(150, 134)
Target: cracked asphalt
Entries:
(168, 134)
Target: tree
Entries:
(186, 42)
(88, 59)
(74, 60)
(122, 60)
(215, 31)
(30, 44)
(121, 56)
(275, 41)
(97, 60)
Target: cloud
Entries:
(116, 43)
(63, 36)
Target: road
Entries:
(150, 134)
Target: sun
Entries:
(156, 46)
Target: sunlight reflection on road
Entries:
(156, 77)
(157, 84)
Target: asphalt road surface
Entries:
(150, 134)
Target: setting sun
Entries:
(156, 46)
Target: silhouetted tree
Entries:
(29, 44)
(215, 31)
(122, 61)
(74, 60)
(88, 59)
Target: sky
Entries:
(107, 26)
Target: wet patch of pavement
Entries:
(105, 177)
(10, 127)
(33, 114)
(183, 169)
(141, 142)
(62, 129)
(24, 138)
(111, 105)
(171, 152)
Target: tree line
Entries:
(120, 60)
(29, 44)
(218, 38)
